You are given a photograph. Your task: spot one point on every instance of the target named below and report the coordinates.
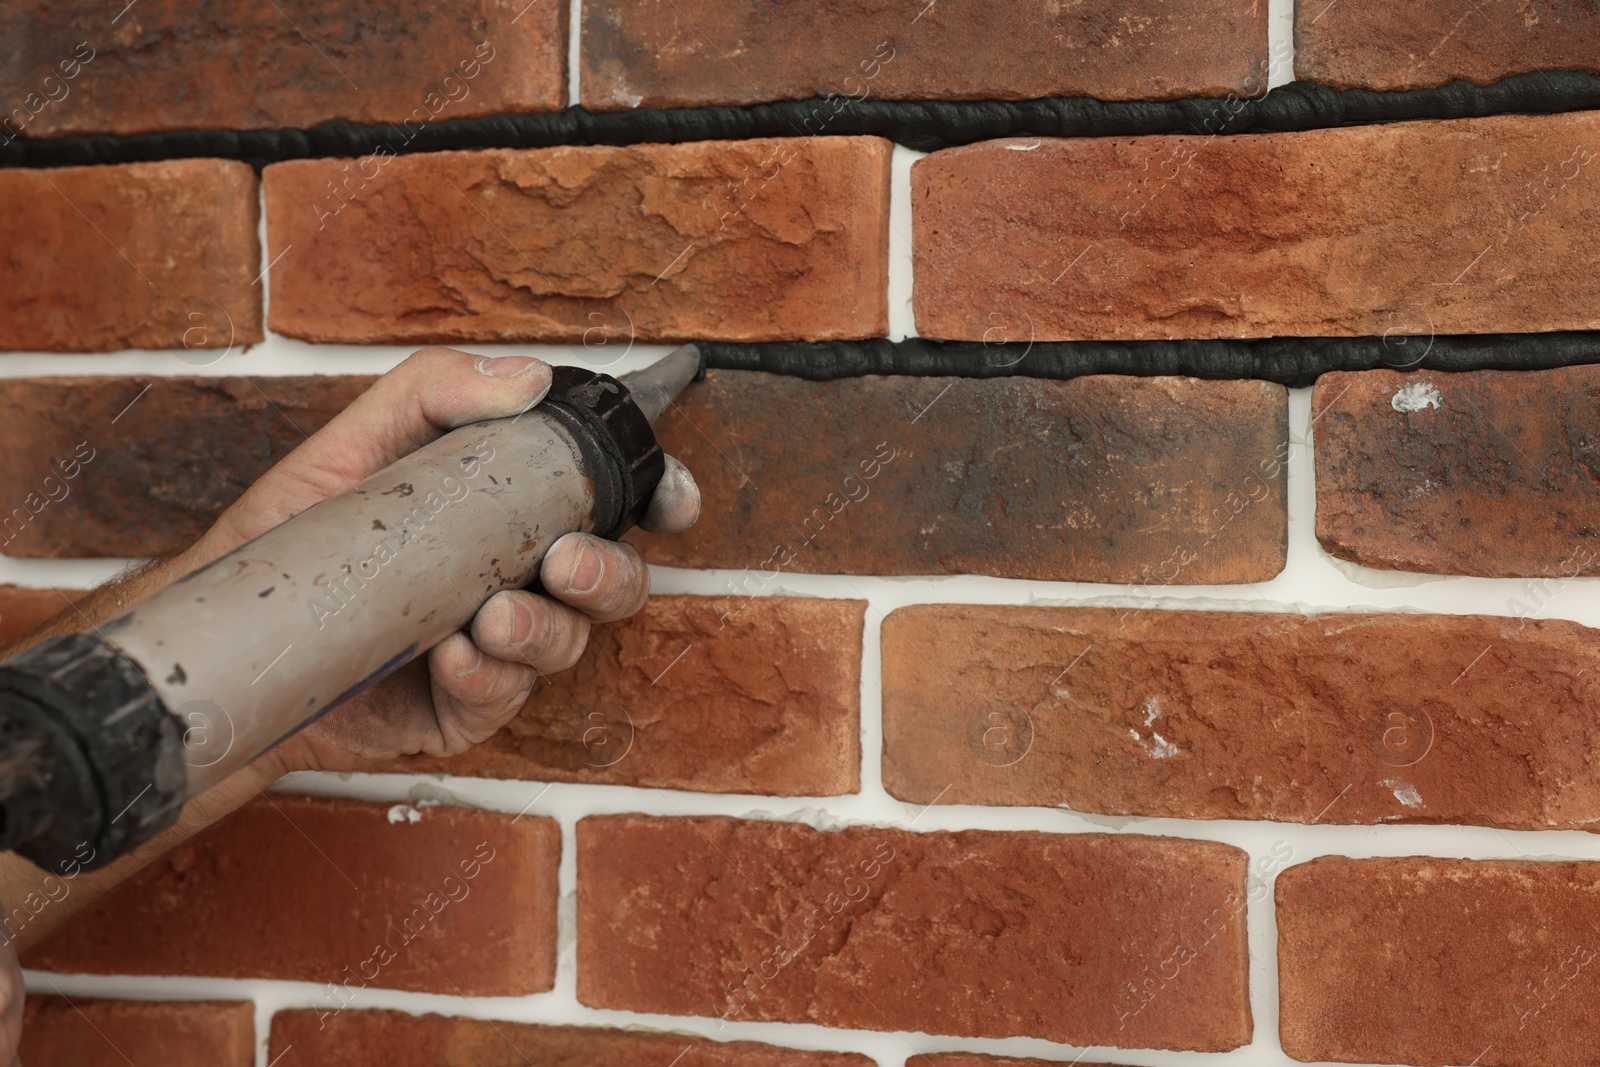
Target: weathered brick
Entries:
(979, 934)
(141, 255)
(77, 68)
(23, 609)
(1098, 479)
(657, 242)
(115, 1033)
(393, 1039)
(339, 892)
(1489, 473)
(696, 693)
(140, 466)
(696, 52)
(1439, 961)
(1237, 715)
(1369, 44)
(1447, 227)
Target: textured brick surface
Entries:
(1236, 715)
(695, 52)
(392, 1039)
(722, 240)
(1465, 226)
(142, 255)
(1439, 961)
(1376, 45)
(139, 466)
(1488, 473)
(23, 609)
(1101, 479)
(168, 65)
(977, 934)
(341, 893)
(57, 1031)
(761, 696)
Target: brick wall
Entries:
(1001, 723)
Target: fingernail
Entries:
(504, 366)
(474, 659)
(521, 622)
(588, 569)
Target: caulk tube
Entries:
(104, 735)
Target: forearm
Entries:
(37, 901)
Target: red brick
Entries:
(339, 893)
(23, 609)
(114, 1033)
(1098, 479)
(163, 65)
(1439, 961)
(392, 1039)
(648, 243)
(1235, 715)
(696, 52)
(142, 255)
(977, 934)
(1446, 227)
(140, 466)
(696, 693)
(1369, 44)
(1489, 473)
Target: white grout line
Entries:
(901, 321)
(574, 49)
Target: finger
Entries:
(533, 630)
(473, 694)
(675, 505)
(433, 390)
(606, 580)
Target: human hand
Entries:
(11, 996)
(475, 681)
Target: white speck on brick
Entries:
(1404, 792)
(1417, 396)
(1152, 710)
(404, 813)
(1022, 147)
(1162, 748)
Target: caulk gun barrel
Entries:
(655, 387)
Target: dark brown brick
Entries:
(1098, 479)
(1489, 473)
(696, 52)
(114, 1033)
(977, 934)
(341, 893)
(1236, 715)
(142, 255)
(392, 1039)
(759, 696)
(138, 466)
(1369, 44)
(1439, 961)
(79, 66)
(1441, 227)
(718, 240)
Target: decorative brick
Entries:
(721, 240)
(1490, 473)
(393, 1039)
(1369, 44)
(1436, 961)
(115, 1033)
(1410, 228)
(1098, 479)
(136, 466)
(760, 696)
(1065, 937)
(1236, 715)
(142, 255)
(696, 52)
(77, 68)
(350, 894)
